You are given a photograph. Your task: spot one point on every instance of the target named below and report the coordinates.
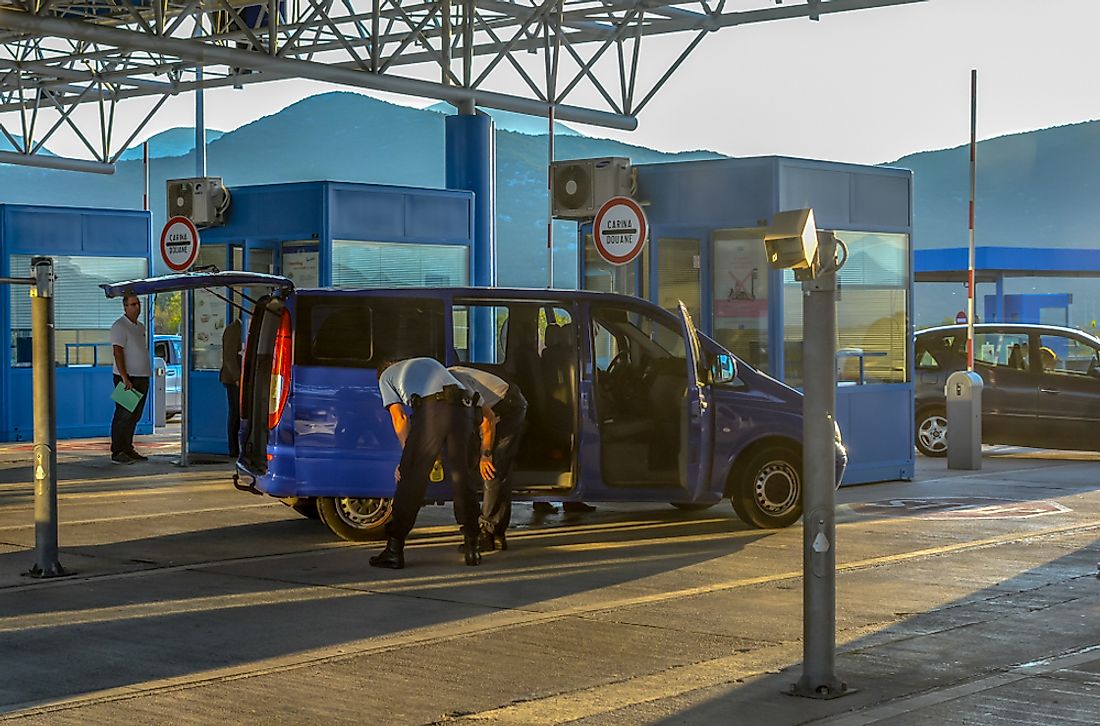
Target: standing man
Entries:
(230, 377)
(441, 424)
(132, 368)
(503, 419)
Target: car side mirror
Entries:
(724, 369)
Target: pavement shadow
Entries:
(179, 611)
(1042, 612)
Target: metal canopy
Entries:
(582, 57)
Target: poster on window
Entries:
(302, 267)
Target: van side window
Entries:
(468, 321)
(351, 331)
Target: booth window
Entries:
(740, 285)
(209, 320)
(465, 345)
(678, 265)
(602, 276)
(83, 315)
(872, 312)
(389, 264)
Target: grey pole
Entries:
(45, 424)
(819, 474)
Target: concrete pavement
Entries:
(966, 598)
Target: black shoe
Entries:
(544, 508)
(392, 557)
(500, 541)
(577, 507)
(122, 457)
(136, 456)
(485, 541)
(471, 551)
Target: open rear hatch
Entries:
(265, 372)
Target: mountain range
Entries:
(1034, 189)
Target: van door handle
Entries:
(1052, 391)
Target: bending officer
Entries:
(503, 419)
(441, 424)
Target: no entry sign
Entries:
(179, 244)
(620, 230)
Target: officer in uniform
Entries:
(503, 419)
(441, 424)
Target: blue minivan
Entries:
(627, 401)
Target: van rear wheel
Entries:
(356, 519)
(769, 493)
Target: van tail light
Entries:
(280, 372)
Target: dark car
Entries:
(1041, 385)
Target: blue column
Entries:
(471, 166)
(1000, 299)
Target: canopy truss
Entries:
(68, 64)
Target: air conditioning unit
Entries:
(204, 200)
(582, 185)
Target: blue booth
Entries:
(320, 233)
(89, 247)
(706, 248)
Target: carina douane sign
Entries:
(179, 244)
(620, 230)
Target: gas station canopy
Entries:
(582, 59)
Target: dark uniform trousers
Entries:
(124, 422)
(437, 429)
(496, 509)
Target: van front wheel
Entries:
(769, 494)
(355, 519)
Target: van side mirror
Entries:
(724, 369)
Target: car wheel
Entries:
(692, 506)
(355, 519)
(932, 432)
(769, 493)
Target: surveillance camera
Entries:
(791, 240)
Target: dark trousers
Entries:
(496, 508)
(437, 430)
(124, 422)
(233, 420)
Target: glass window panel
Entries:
(601, 276)
(83, 315)
(872, 318)
(678, 274)
(462, 315)
(740, 284)
(302, 263)
(1007, 350)
(208, 321)
(388, 264)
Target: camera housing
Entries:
(791, 240)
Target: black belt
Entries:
(452, 395)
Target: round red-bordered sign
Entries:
(179, 244)
(620, 230)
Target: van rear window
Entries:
(360, 332)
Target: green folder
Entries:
(127, 399)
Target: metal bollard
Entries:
(964, 420)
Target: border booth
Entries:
(89, 247)
(319, 234)
(706, 248)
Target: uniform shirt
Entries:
(135, 348)
(490, 388)
(414, 377)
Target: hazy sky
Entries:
(867, 86)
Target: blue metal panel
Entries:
(439, 218)
(42, 231)
(116, 233)
(284, 211)
(209, 410)
(711, 194)
(376, 216)
(876, 421)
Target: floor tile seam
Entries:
(143, 516)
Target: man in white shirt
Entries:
(132, 368)
(503, 419)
